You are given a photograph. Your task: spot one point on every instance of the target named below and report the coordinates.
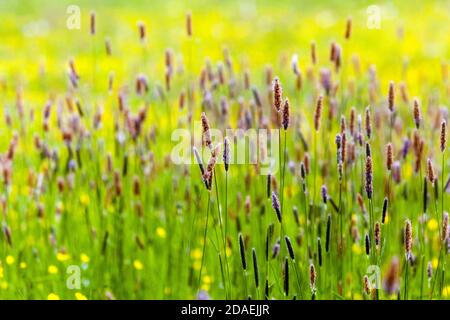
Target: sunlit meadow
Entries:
(350, 203)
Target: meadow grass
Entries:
(88, 178)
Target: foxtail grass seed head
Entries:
(443, 135)
(276, 205)
(302, 170)
(277, 94)
(369, 177)
(425, 194)
(108, 49)
(269, 235)
(318, 113)
(430, 171)
(286, 276)
(269, 183)
(206, 131)
(444, 235)
(377, 234)
(7, 233)
(389, 156)
(289, 247)
(408, 239)
(368, 150)
(324, 193)
(368, 124)
(391, 97)
(328, 234)
(296, 216)
(384, 210)
(416, 113)
(366, 285)
(189, 24)
(208, 175)
(307, 162)
(312, 277)
(344, 147)
(319, 251)
(141, 30)
(367, 243)
(226, 153)
(348, 28)
(352, 121)
(313, 53)
(338, 141)
(285, 115)
(276, 249)
(242, 252)
(92, 23)
(255, 267)
(430, 270)
(333, 50)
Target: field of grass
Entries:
(347, 198)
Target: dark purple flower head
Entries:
(324, 193)
(405, 148)
(276, 249)
(276, 205)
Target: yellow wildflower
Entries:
(138, 265)
(161, 232)
(23, 265)
(432, 224)
(196, 254)
(80, 296)
(356, 248)
(446, 292)
(52, 269)
(207, 279)
(62, 256)
(434, 263)
(10, 260)
(52, 296)
(84, 258)
(84, 199)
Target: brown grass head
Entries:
(348, 28)
(189, 24)
(368, 124)
(416, 112)
(92, 23)
(277, 94)
(391, 96)
(313, 53)
(285, 116)
(389, 156)
(408, 239)
(312, 277)
(206, 131)
(430, 171)
(369, 178)
(444, 234)
(318, 113)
